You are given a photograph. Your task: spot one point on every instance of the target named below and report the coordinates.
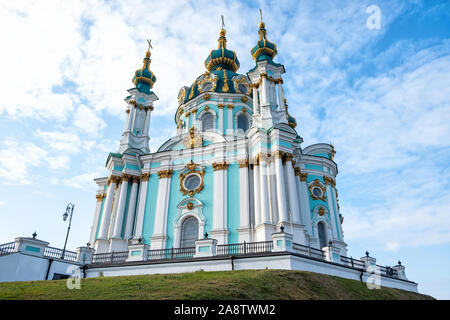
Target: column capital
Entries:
(220, 106)
(297, 171)
(100, 196)
(277, 154)
(165, 173)
(135, 179)
(303, 176)
(145, 176)
(113, 179)
(263, 157)
(220, 165)
(243, 163)
(230, 106)
(126, 177)
(329, 180)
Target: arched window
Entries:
(242, 123)
(189, 232)
(207, 121)
(322, 234)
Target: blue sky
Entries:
(380, 96)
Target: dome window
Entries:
(207, 122)
(242, 123)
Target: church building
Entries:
(236, 169)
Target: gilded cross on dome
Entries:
(149, 44)
(223, 23)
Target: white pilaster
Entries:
(131, 118)
(255, 100)
(159, 237)
(265, 210)
(221, 120)
(281, 190)
(230, 119)
(141, 207)
(147, 121)
(220, 231)
(292, 191)
(244, 200)
(263, 91)
(117, 232)
(306, 210)
(332, 213)
(280, 96)
(257, 194)
(131, 209)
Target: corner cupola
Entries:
(144, 78)
(264, 49)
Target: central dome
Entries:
(222, 57)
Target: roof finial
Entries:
(260, 14)
(223, 23)
(149, 44)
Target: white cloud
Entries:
(16, 158)
(58, 162)
(87, 121)
(83, 181)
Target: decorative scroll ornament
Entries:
(241, 84)
(193, 139)
(317, 184)
(165, 173)
(191, 169)
(207, 82)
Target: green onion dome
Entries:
(221, 76)
(222, 57)
(264, 49)
(144, 78)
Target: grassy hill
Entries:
(230, 285)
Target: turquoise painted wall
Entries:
(313, 167)
(233, 202)
(333, 199)
(125, 213)
(205, 196)
(313, 202)
(150, 208)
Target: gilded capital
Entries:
(297, 171)
(220, 166)
(220, 106)
(303, 176)
(244, 99)
(243, 163)
(230, 106)
(145, 176)
(135, 179)
(114, 179)
(277, 154)
(165, 173)
(126, 177)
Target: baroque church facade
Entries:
(235, 170)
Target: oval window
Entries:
(207, 86)
(242, 88)
(192, 182)
(317, 192)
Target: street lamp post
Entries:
(68, 213)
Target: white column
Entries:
(106, 216)
(141, 206)
(114, 210)
(304, 200)
(220, 119)
(255, 100)
(332, 212)
(121, 208)
(95, 223)
(263, 90)
(132, 117)
(272, 187)
(281, 189)
(280, 95)
(292, 191)
(131, 209)
(257, 194)
(158, 239)
(147, 120)
(336, 209)
(230, 119)
(244, 196)
(265, 210)
(220, 202)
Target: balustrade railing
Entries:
(110, 257)
(7, 248)
(244, 248)
(56, 253)
(308, 251)
(354, 263)
(171, 253)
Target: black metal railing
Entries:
(110, 257)
(354, 263)
(171, 253)
(56, 253)
(387, 271)
(308, 251)
(6, 248)
(244, 248)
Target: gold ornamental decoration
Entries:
(165, 173)
(317, 184)
(191, 168)
(193, 139)
(220, 166)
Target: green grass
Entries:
(229, 285)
